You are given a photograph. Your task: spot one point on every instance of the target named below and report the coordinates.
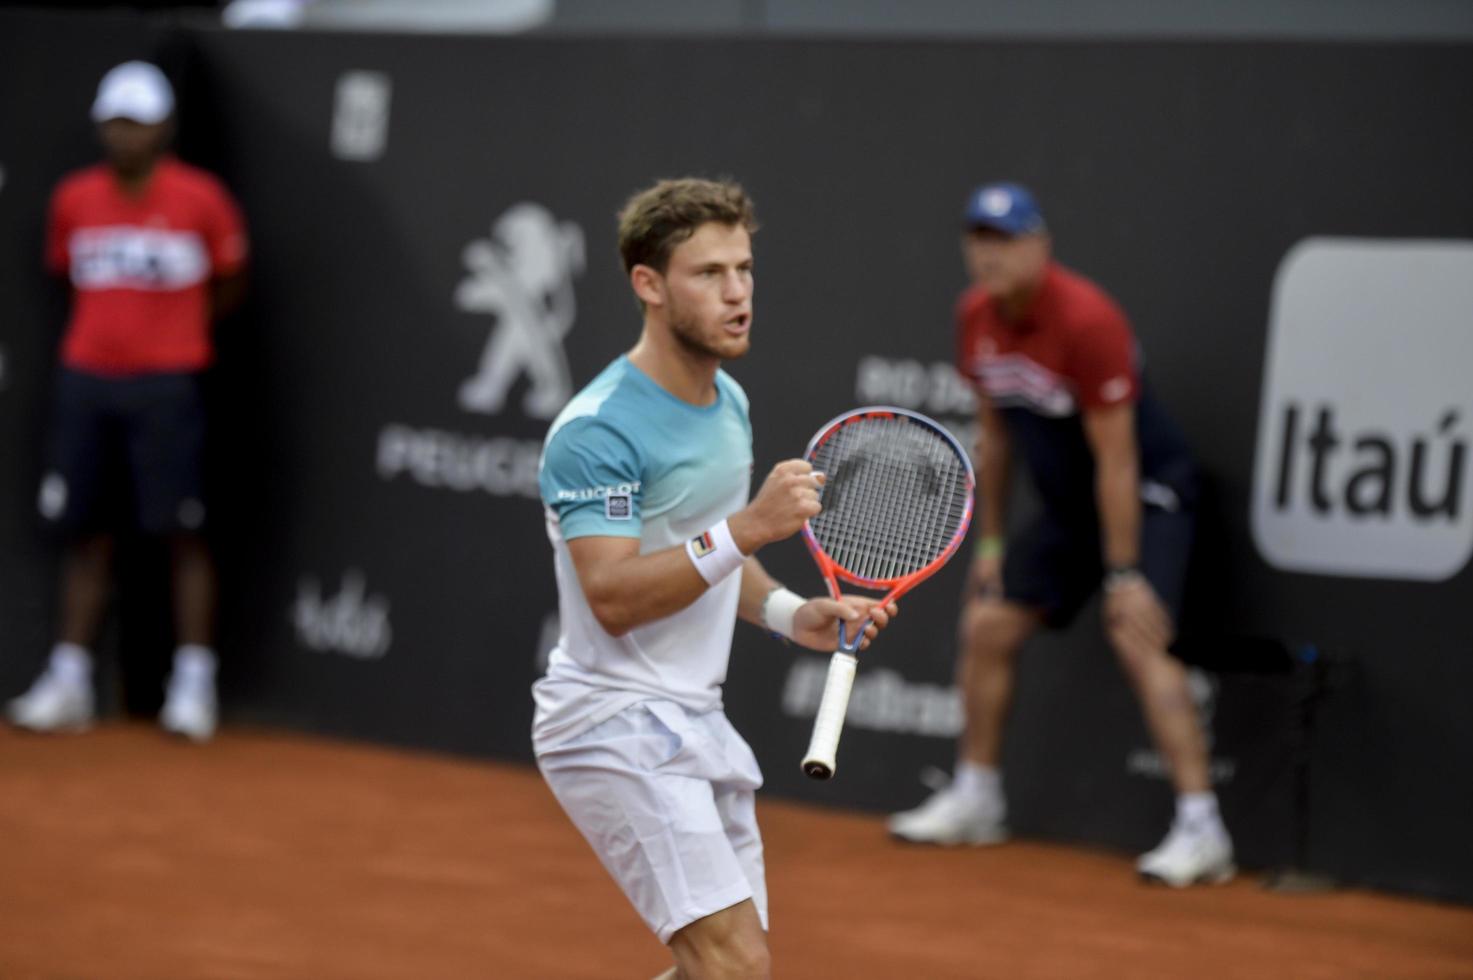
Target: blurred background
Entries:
(1277, 193)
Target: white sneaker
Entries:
(53, 704)
(190, 710)
(1190, 856)
(949, 817)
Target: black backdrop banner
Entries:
(435, 273)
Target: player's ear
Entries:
(648, 285)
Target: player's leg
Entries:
(972, 809)
(726, 945)
(642, 788)
(193, 571)
(1198, 847)
(166, 448)
(61, 699)
(80, 450)
(86, 582)
(991, 632)
(733, 942)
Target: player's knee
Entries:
(728, 954)
(988, 630)
(1144, 663)
(752, 960)
(1130, 655)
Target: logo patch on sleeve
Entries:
(618, 507)
(1115, 389)
(703, 544)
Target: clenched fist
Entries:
(787, 498)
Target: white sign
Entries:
(360, 118)
(523, 277)
(1363, 464)
(351, 622)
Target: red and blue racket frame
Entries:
(820, 761)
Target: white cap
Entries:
(134, 90)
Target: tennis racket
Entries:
(897, 501)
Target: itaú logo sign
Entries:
(1363, 465)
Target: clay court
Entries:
(125, 855)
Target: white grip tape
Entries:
(821, 760)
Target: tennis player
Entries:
(1059, 384)
(645, 478)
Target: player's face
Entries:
(1001, 264)
(132, 147)
(708, 291)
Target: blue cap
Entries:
(1005, 207)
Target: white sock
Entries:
(71, 663)
(977, 781)
(1198, 810)
(195, 664)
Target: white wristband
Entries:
(778, 608)
(714, 553)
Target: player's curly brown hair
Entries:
(655, 220)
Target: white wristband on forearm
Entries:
(714, 553)
(778, 609)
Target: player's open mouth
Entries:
(739, 324)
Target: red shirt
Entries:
(1072, 349)
(141, 266)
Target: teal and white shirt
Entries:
(625, 458)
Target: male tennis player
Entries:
(154, 250)
(1058, 381)
(645, 477)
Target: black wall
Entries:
(366, 597)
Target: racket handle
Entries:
(820, 761)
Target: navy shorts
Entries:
(121, 445)
(1056, 566)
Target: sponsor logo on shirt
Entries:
(594, 493)
(618, 507)
(1115, 389)
(129, 257)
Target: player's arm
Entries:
(626, 589)
(814, 624)
(994, 468)
(1110, 431)
(1132, 608)
(227, 292)
(225, 236)
(994, 479)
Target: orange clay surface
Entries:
(123, 855)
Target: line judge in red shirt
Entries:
(154, 249)
(1058, 380)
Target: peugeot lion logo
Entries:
(523, 276)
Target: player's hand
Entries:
(1135, 615)
(787, 498)
(816, 622)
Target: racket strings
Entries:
(895, 499)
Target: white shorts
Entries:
(667, 798)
